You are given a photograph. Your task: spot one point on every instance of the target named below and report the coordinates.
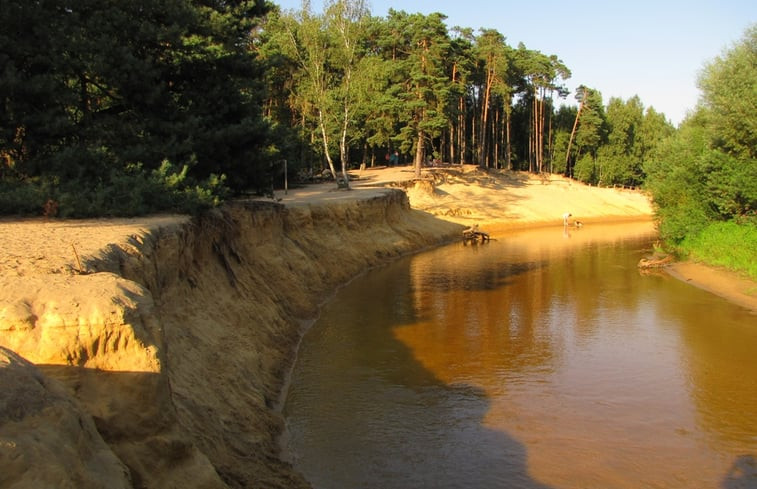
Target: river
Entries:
(544, 359)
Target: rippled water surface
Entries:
(540, 360)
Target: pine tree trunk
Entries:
(573, 133)
(462, 132)
(496, 138)
(483, 157)
(419, 154)
(508, 145)
(451, 142)
(550, 142)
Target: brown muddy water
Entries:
(541, 360)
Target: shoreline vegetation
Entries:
(169, 338)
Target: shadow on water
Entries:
(523, 363)
(363, 411)
(743, 474)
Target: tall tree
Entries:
(493, 54)
(541, 74)
(707, 170)
(421, 72)
(590, 136)
(581, 95)
(653, 130)
(306, 41)
(345, 20)
(460, 67)
(617, 158)
(729, 93)
(90, 88)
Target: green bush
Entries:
(125, 193)
(585, 170)
(21, 198)
(728, 244)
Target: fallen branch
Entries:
(655, 262)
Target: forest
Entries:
(125, 108)
(356, 87)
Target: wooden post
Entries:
(286, 179)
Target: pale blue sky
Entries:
(653, 49)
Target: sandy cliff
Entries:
(171, 349)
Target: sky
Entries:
(653, 49)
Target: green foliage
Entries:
(617, 169)
(131, 192)
(423, 84)
(676, 183)
(728, 244)
(21, 198)
(585, 170)
(730, 184)
(729, 91)
(592, 126)
(559, 148)
(706, 173)
(89, 86)
(413, 84)
(631, 138)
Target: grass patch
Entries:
(726, 244)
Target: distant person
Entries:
(566, 218)
(394, 160)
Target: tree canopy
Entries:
(447, 95)
(707, 171)
(123, 107)
(95, 92)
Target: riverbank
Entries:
(151, 352)
(502, 201)
(169, 338)
(729, 285)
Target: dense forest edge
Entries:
(141, 107)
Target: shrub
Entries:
(728, 244)
(125, 193)
(21, 198)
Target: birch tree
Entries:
(304, 39)
(345, 20)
